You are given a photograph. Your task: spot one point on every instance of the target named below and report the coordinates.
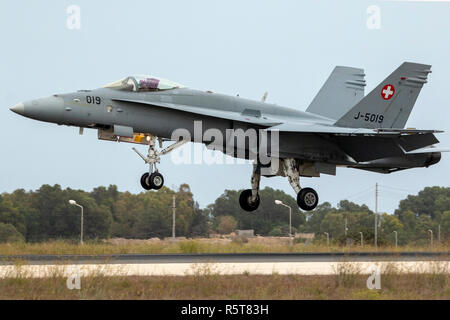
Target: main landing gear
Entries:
(307, 198)
(153, 179)
(249, 199)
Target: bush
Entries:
(227, 224)
(8, 233)
(239, 240)
(189, 246)
(276, 232)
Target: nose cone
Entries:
(48, 109)
(18, 108)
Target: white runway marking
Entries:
(181, 269)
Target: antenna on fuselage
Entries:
(263, 99)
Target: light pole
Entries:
(74, 203)
(328, 238)
(362, 239)
(431, 237)
(395, 232)
(279, 202)
(173, 216)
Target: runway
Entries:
(226, 257)
(222, 264)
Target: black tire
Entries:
(156, 180)
(145, 182)
(307, 199)
(246, 204)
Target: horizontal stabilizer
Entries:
(428, 150)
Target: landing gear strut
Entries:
(153, 179)
(307, 198)
(249, 199)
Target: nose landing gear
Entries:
(153, 179)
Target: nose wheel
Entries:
(153, 179)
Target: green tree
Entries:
(265, 218)
(10, 214)
(389, 224)
(334, 224)
(431, 201)
(199, 225)
(10, 234)
(445, 226)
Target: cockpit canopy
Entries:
(143, 83)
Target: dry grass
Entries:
(206, 282)
(254, 245)
(213, 286)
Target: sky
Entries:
(287, 48)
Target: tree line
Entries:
(45, 214)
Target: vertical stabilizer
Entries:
(391, 102)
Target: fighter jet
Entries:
(340, 128)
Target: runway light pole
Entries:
(395, 232)
(431, 237)
(279, 202)
(328, 238)
(362, 239)
(74, 203)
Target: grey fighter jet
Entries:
(341, 127)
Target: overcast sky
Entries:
(287, 48)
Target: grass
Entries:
(255, 245)
(204, 281)
(213, 286)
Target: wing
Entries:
(247, 117)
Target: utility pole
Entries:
(439, 233)
(376, 215)
(431, 237)
(173, 217)
(345, 231)
(395, 232)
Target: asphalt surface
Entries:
(224, 258)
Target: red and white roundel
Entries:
(387, 92)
